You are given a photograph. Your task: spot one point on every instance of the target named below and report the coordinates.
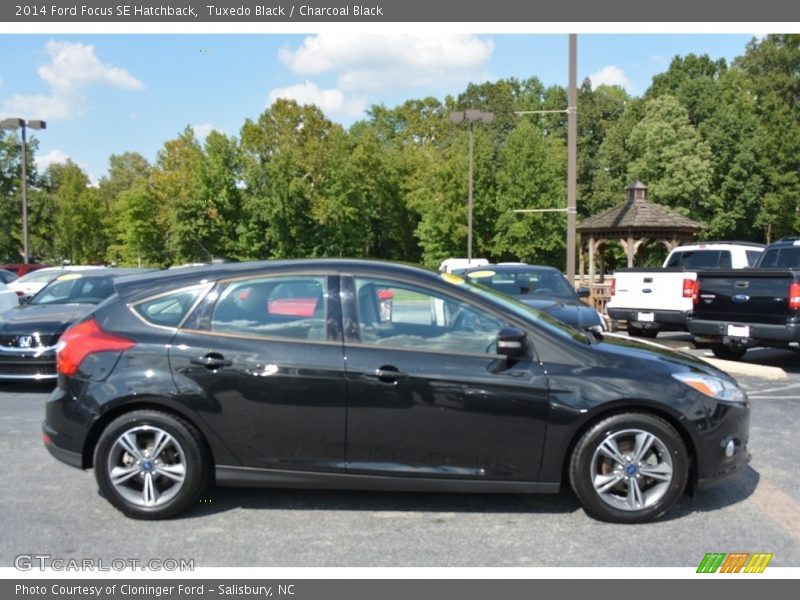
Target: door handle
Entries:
(211, 361)
(387, 374)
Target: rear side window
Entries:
(170, 309)
(701, 259)
(781, 258)
(752, 257)
(291, 307)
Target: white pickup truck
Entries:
(653, 300)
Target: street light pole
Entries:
(16, 123)
(471, 115)
(469, 198)
(572, 152)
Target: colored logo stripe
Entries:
(734, 562)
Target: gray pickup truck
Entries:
(739, 309)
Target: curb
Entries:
(742, 368)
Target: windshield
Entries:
(526, 312)
(40, 276)
(75, 289)
(529, 282)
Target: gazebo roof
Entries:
(636, 214)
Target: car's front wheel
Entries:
(151, 465)
(629, 468)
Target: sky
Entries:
(109, 94)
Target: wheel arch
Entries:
(633, 406)
(155, 404)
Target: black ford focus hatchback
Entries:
(376, 376)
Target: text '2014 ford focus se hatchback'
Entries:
(375, 376)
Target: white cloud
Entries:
(72, 68)
(54, 157)
(371, 62)
(611, 75)
(202, 130)
(331, 102)
(76, 65)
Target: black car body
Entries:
(29, 332)
(540, 287)
(293, 374)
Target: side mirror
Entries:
(25, 299)
(511, 342)
(584, 292)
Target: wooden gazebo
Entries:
(634, 223)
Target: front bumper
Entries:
(725, 424)
(28, 364)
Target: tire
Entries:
(604, 484)
(639, 332)
(728, 352)
(151, 483)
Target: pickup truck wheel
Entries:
(629, 468)
(728, 352)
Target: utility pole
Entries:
(572, 155)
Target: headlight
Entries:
(713, 387)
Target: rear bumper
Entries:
(672, 318)
(760, 333)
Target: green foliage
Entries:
(717, 142)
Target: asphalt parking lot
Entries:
(49, 508)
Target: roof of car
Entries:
(511, 268)
(175, 278)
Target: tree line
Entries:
(717, 142)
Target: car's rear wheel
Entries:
(629, 468)
(151, 465)
(728, 352)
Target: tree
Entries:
(669, 155)
(772, 81)
(531, 175)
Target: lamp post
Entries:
(572, 152)
(471, 115)
(16, 123)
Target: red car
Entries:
(20, 269)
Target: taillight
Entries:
(695, 292)
(794, 296)
(614, 287)
(83, 339)
(688, 288)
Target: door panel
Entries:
(426, 394)
(280, 401)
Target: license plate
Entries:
(742, 331)
(645, 317)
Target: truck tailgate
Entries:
(648, 289)
(745, 295)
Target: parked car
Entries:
(171, 385)
(30, 284)
(459, 265)
(7, 276)
(20, 269)
(541, 287)
(8, 298)
(737, 310)
(29, 332)
(653, 300)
